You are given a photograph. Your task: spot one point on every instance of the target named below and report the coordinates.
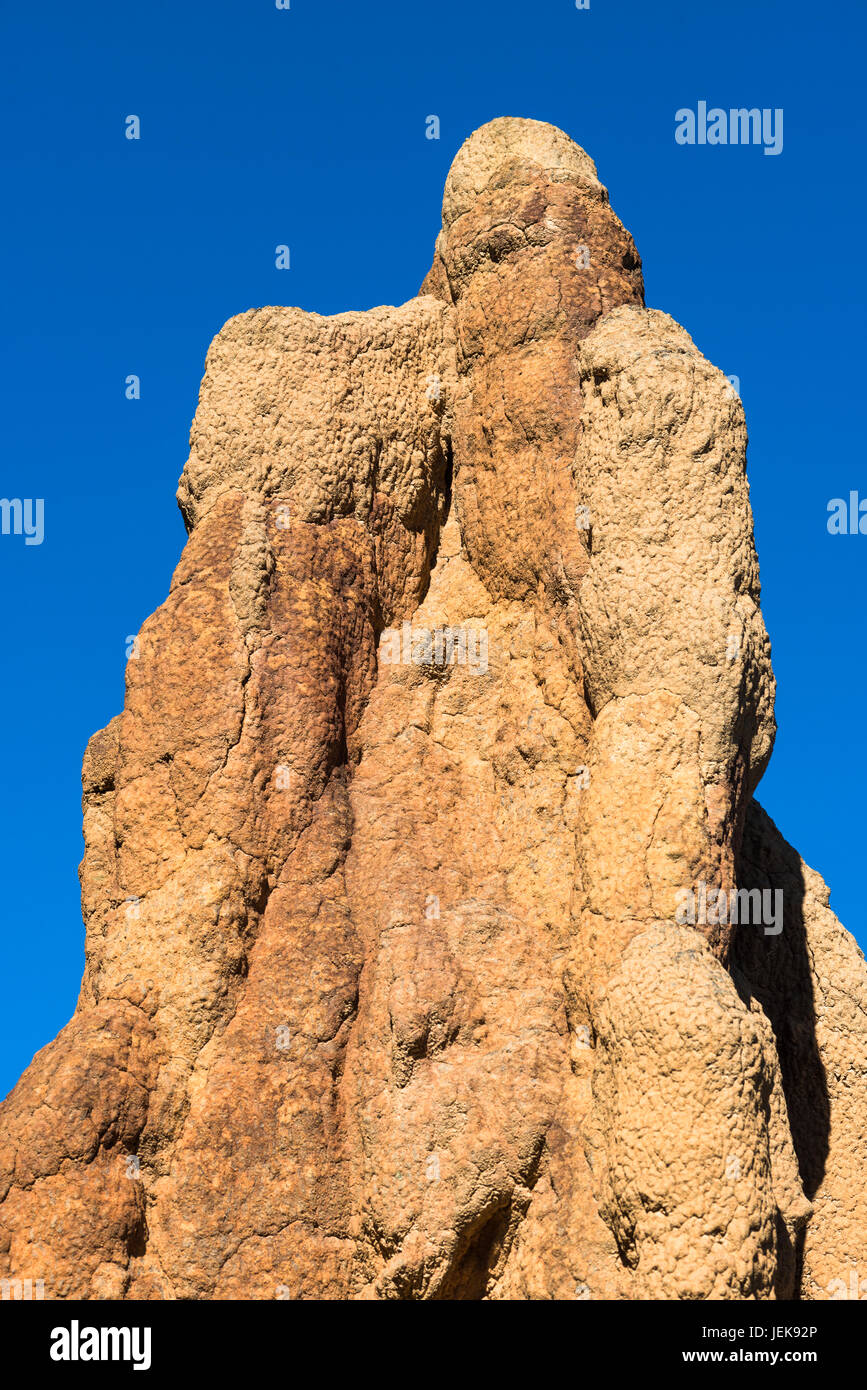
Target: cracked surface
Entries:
(386, 991)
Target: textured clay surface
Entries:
(460, 687)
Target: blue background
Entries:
(307, 127)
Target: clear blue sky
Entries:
(307, 127)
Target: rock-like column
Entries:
(599, 476)
(222, 960)
(678, 677)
